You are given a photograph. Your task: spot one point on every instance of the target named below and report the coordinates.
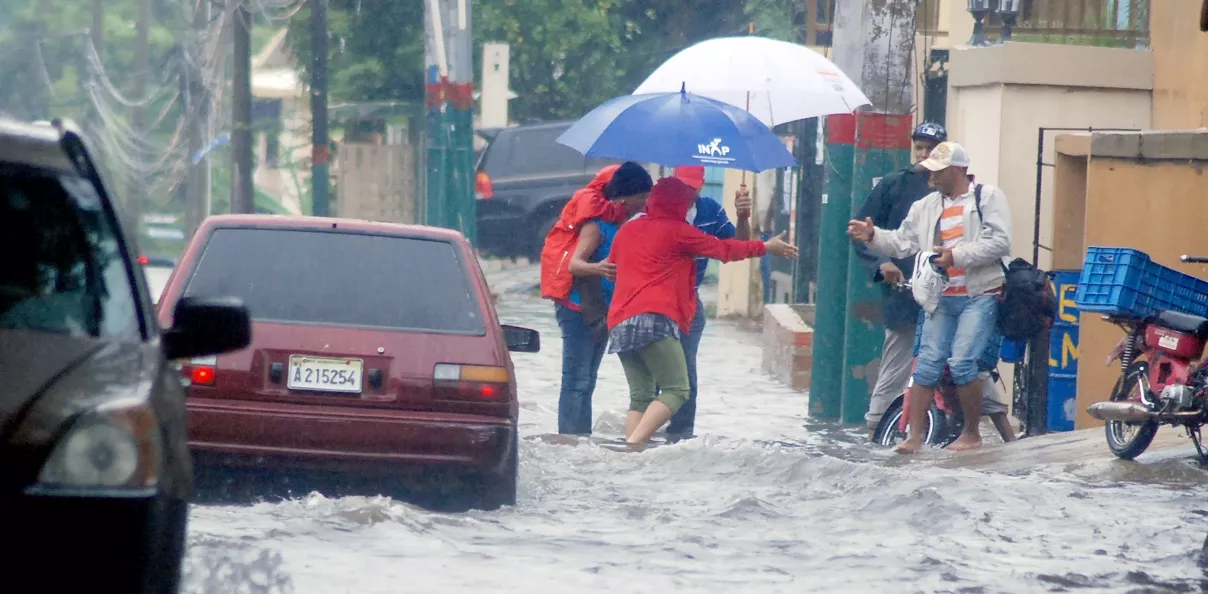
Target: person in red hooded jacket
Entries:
(654, 300)
(584, 205)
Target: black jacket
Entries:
(887, 205)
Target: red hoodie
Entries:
(585, 205)
(656, 253)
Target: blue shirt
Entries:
(709, 216)
(608, 231)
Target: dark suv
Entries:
(95, 474)
(524, 179)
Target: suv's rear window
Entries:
(530, 152)
(340, 278)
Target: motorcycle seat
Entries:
(1181, 322)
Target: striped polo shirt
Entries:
(951, 233)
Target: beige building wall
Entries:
(1180, 56)
(998, 99)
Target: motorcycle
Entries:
(944, 417)
(1162, 380)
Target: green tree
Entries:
(376, 49)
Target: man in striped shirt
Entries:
(970, 229)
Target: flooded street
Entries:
(762, 502)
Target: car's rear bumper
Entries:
(90, 543)
(266, 434)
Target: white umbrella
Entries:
(775, 81)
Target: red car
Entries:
(375, 346)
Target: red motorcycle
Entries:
(1162, 380)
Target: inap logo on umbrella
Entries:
(715, 152)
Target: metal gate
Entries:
(1030, 395)
(935, 91)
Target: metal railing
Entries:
(1103, 23)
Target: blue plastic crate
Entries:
(1124, 281)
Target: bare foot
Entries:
(966, 442)
(910, 446)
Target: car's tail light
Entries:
(144, 260)
(483, 190)
(471, 382)
(200, 371)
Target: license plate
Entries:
(324, 375)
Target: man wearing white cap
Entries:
(970, 229)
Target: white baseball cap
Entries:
(945, 155)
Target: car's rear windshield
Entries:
(340, 278)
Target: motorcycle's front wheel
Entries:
(1129, 440)
(887, 433)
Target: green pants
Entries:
(659, 365)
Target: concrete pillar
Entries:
(834, 249)
(882, 145)
(740, 288)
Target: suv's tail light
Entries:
(483, 190)
(200, 371)
(471, 382)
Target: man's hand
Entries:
(742, 202)
(776, 246)
(606, 269)
(944, 259)
(861, 230)
(892, 274)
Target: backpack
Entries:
(1027, 304)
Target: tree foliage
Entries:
(567, 56)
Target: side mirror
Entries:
(207, 326)
(522, 340)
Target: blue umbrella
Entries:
(677, 129)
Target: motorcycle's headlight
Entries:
(114, 447)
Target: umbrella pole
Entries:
(743, 185)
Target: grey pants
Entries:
(897, 361)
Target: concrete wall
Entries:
(1144, 191)
(1180, 55)
(788, 342)
(999, 98)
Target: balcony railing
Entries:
(1104, 23)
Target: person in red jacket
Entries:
(654, 300)
(586, 204)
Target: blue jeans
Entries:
(684, 420)
(956, 335)
(581, 359)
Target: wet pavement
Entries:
(762, 501)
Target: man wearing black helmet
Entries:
(887, 206)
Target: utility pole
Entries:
(196, 97)
(320, 153)
(437, 139)
(811, 22)
(242, 196)
(873, 45)
(142, 64)
(461, 102)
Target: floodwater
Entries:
(762, 501)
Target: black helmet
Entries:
(930, 131)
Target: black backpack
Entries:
(1027, 304)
